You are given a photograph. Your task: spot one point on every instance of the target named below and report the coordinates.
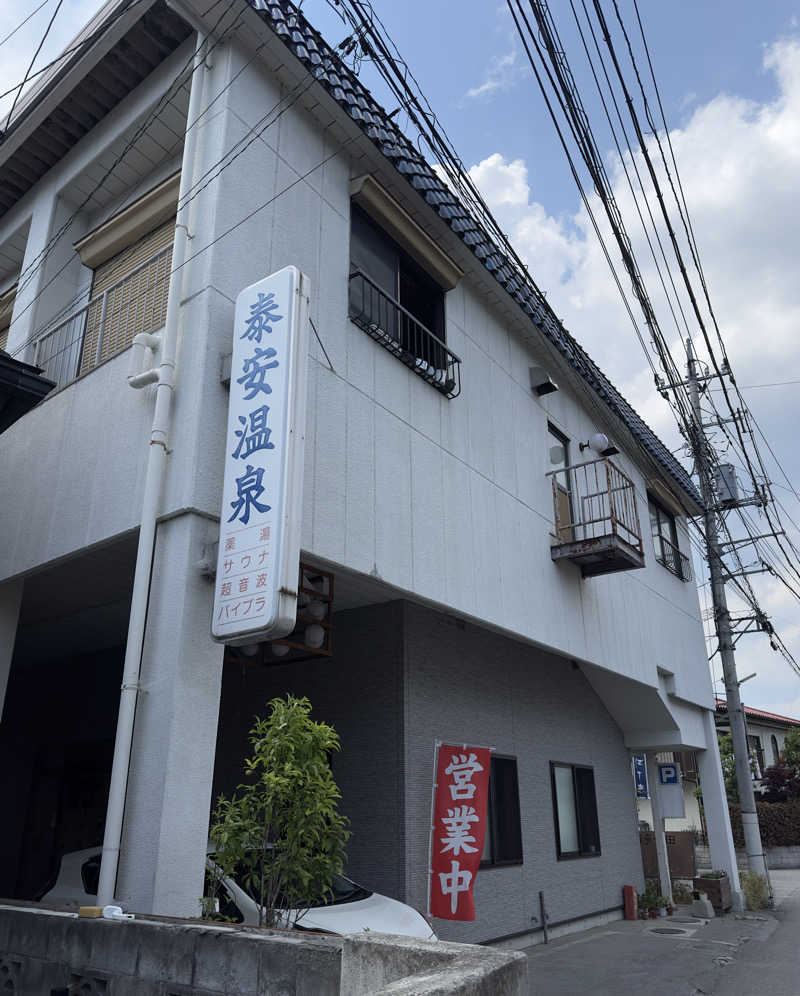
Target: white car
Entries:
(351, 909)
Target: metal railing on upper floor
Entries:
(107, 323)
(397, 330)
(594, 500)
(669, 556)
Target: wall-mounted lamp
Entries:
(601, 444)
(541, 381)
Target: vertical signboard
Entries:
(640, 776)
(458, 829)
(255, 596)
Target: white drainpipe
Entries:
(164, 377)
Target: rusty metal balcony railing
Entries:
(669, 556)
(107, 323)
(596, 518)
(396, 329)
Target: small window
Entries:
(776, 754)
(575, 811)
(129, 295)
(90, 875)
(503, 844)
(756, 756)
(394, 300)
(558, 461)
(388, 269)
(665, 540)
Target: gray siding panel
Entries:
(463, 682)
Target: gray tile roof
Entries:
(344, 86)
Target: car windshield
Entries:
(342, 890)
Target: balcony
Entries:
(596, 518)
(669, 556)
(107, 324)
(396, 329)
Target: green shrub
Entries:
(281, 835)
(779, 822)
(755, 889)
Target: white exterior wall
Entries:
(692, 806)
(445, 500)
(766, 733)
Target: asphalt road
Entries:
(738, 955)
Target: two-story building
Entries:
(766, 734)
(483, 565)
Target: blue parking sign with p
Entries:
(668, 774)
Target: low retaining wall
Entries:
(777, 857)
(43, 952)
(49, 953)
(380, 965)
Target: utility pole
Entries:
(744, 778)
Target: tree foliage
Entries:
(782, 780)
(781, 783)
(728, 766)
(791, 750)
(280, 835)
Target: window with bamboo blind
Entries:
(129, 295)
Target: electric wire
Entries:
(558, 60)
(23, 23)
(35, 56)
(30, 271)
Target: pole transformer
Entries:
(744, 778)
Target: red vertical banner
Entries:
(461, 792)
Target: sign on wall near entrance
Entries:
(255, 595)
(458, 828)
(640, 776)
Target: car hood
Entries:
(377, 913)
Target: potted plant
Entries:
(717, 886)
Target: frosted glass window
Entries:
(567, 817)
(575, 811)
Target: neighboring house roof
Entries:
(344, 86)
(770, 717)
(21, 387)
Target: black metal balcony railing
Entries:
(669, 556)
(396, 329)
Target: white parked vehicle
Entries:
(350, 909)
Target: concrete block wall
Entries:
(464, 683)
(40, 953)
(43, 952)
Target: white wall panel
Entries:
(393, 512)
(427, 514)
(447, 499)
(360, 483)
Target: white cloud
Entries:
(740, 166)
(503, 71)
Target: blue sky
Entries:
(729, 75)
